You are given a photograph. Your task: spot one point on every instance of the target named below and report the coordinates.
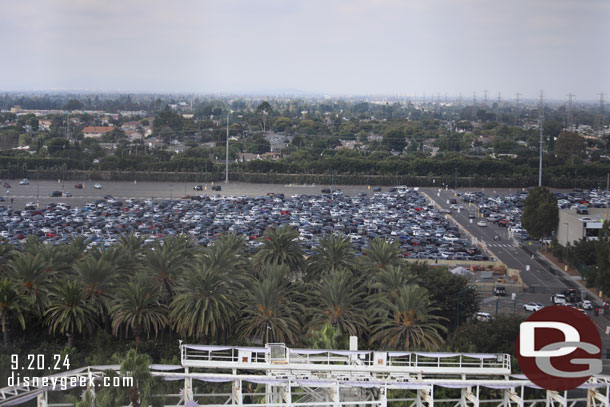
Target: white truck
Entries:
(558, 299)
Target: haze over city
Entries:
(324, 47)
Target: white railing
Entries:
(278, 354)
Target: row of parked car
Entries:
(406, 217)
(506, 210)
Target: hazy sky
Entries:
(397, 47)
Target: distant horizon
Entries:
(297, 93)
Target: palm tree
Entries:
(381, 254)
(69, 312)
(165, 264)
(388, 282)
(206, 302)
(137, 306)
(270, 311)
(227, 253)
(410, 324)
(33, 276)
(338, 300)
(7, 252)
(138, 366)
(11, 303)
(281, 246)
(98, 276)
(335, 252)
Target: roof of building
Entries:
(98, 129)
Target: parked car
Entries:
(499, 291)
(559, 299)
(481, 223)
(483, 316)
(533, 306)
(586, 304)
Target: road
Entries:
(40, 191)
(541, 279)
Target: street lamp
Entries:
(567, 241)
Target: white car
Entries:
(483, 316)
(97, 186)
(482, 223)
(533, 306)
(24, 181)
(559, 299)
(586, 304)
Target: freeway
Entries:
(541, 279)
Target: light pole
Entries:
(227, 153)
(567, 240)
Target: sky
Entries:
(334, 47)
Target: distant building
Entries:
(245, 157)
(96, 131)
(573, 226)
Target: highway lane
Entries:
(505, 249)
(543, 281)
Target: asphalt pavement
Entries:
(541, 279)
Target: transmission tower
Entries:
(474, 105)
(498, 115)
(517, 108)
(485, 98)
(570, 112)
(541, 121)
(599, 122)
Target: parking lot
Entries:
(403, 215)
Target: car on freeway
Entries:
(482, 223)
(78, 186)
(533, 306)
(216, 188)
(24, 181)
(198, 188)
(97, 186)
(55, 194)
(68, 194)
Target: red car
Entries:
(78, 186)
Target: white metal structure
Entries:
(276, 376)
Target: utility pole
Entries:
(517, 108)
(600, 120)
(485, 97)
(570, 112)
(474, 106)
(227, 155)
(498, 115)
(541, 118)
